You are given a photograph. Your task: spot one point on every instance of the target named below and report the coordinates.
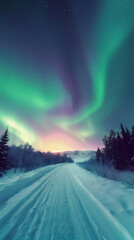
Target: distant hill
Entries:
(80, 156)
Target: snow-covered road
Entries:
(65, 202)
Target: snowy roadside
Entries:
(11, 177)
(109, 172)
(117, 197)
(65, 201)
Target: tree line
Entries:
(118, 149)
(24, 157)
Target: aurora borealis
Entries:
(66, 71)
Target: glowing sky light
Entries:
(66, 71)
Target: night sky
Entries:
(66, 71)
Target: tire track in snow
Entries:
(58, 206)
(10, 191)
(36, 213)
(118, 231)
(62, 214)
(43, 214)
(13, 219)
(88, 229)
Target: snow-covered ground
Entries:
(80, 156)
(109, 172)
(65, 202)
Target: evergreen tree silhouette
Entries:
(106, 156)
(98, 155)
(119, 157)
(4, 163)
(126, 137)
(132, 147)
(119, 149)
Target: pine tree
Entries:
(132, 147)
(126, 138)
(106, 149)
(122, 131)
(119, 149)
(118, 157)
(4, 163)
(98, 155)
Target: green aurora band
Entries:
(24, 92)
(114, 25)
(32, 100)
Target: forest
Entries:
(24, 157)
(118, 149)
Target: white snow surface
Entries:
(65, 202)
(81, 156)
